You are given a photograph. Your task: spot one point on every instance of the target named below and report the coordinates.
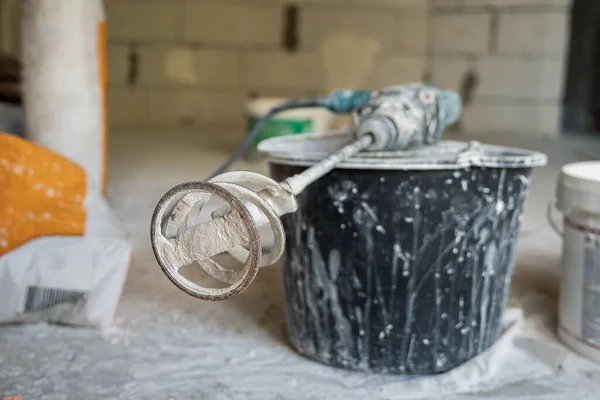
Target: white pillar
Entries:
(63, 54)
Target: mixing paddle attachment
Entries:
(187, 228)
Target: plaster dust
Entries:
(165, 344)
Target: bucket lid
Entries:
(579, 187)
(307, 149)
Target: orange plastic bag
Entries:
(41, 193)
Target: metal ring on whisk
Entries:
(238, 252)
(229, 193)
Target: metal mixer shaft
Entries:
(234, 225)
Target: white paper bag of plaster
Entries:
(68, 279)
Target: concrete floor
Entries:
(165, 344)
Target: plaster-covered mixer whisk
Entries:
(187, 229)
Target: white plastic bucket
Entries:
(578, 198)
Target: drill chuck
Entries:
(382, 129)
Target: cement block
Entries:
(10, 24)
(172, 106)
(437, 4)
(187, 66)
(283, 70)
(550, 119)
(510, 3)
(465, 33)
(318, 25)
(117, 59)
(552, 79)
(126, 105)
(233, 24)
(152, 20)
(533, 32)
(411, 33)
(526, 119)
(449, 73)
(396, 71)
(540, 79)
(401, 4)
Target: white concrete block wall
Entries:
(517, 78)
(170, 106)
(117, 56)
(461, 33)
(527, 32)
(158, 20)
(449, 72)
(190, 61)
(276, 69)
(517, 59)
(511, 117)
(410, 31)
(232, 24)
(317, 24)
(396, 70)
(127, 106)
(198, 61)
(193, 61)
(505, 3)
(404, 4)
(10, 26)
(184, 65)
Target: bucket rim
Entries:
(305, 150)
(579, 187)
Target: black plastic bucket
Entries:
(400, 262)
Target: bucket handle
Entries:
(556, 227)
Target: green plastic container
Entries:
(291, 122)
